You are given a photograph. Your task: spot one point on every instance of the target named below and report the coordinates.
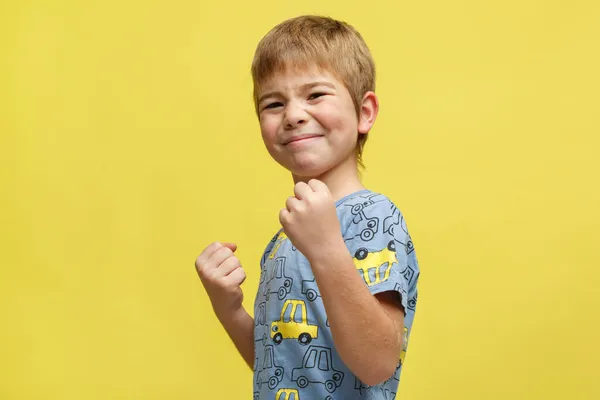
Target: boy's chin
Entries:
(307, 171)
(309, 167)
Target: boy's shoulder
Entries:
(278, 236)
(365, 204)
(368, 217)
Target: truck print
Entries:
(372, 264)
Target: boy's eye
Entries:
(315, 95)
(274, 105)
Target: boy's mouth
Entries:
(299, 138)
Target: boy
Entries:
(337, 292)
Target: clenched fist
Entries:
(221, 274)
(310, 220)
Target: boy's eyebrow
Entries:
(304, 87)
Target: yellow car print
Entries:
(367, 262)
(287, 394)
(293, 324)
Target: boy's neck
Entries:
(341, 180)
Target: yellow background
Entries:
(128, 143)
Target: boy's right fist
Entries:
(221, 274)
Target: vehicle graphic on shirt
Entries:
(269, 371)
(388, 394)
(280, 238)
(392, 221)
(317, 367)
(370, 225)
(372, 264)
(278, 282)
(260, 323)
(293, 324)
(310, 289)
(287, 394)
(261, 315)
(358, 385)
(412, 303)
(389, 226)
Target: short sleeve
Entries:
(379, 245)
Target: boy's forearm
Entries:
(365, 336)
(240, 328)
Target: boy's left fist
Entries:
(310, 220)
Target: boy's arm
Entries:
(366, 329)
(222, 274)
(240, 328)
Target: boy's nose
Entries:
(291, 124)
(295, 115)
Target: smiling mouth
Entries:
(301, 138)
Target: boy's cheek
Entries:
(268, 128)
(268, 136)
(264, 123)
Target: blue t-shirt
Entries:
(295, 358)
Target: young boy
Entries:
(337, 292)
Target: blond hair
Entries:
(322, 41)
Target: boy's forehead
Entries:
(293, 76)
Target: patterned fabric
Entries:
(295, 356)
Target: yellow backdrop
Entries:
(128, 143)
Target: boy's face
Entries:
(308, 121)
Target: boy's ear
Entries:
(368, 112)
